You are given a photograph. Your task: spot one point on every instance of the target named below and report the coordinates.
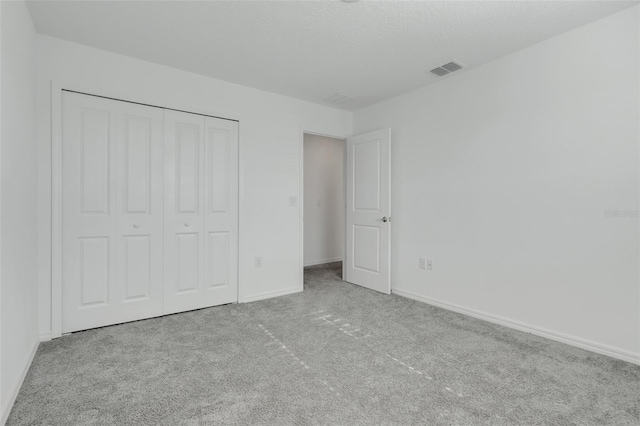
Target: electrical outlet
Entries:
(421, 262)
(258, 262)
(429, 265)
(293, 201)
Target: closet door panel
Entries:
(89, 208)
(187, 263)
(221, 216)
(184, 215)
(138, 267)
(140, 211)
(112, 212)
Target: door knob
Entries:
(186, 224)
(135, 225)
(384, 219)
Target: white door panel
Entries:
(112, 212)
(368, 221)
(201, 211)
(140, 207)
(221, 215)
(184, 219)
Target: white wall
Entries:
(502, 175)
(270, 140)
(323, 199)
(18, 191)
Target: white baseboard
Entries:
(588, 345)
(14, 394)
(270, 294)
(322, 262)
(45, 337)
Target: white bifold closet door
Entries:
(112, 181)
(149, 206)
(201, 217)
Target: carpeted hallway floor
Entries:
(334, 354)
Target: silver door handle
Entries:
(135, 225)
(384, 219)
(186, 224)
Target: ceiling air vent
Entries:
(447, 69)
(452, 66)
(439, 71)
(339, 98)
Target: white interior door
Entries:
(201, 228)
(112, 189)
(368, 222)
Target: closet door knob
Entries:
(186, 224)
(135, 225)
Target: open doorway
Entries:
(324, 206)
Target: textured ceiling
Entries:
(369, 50)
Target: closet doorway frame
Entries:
(57, 88)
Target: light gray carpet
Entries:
(334, 354)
